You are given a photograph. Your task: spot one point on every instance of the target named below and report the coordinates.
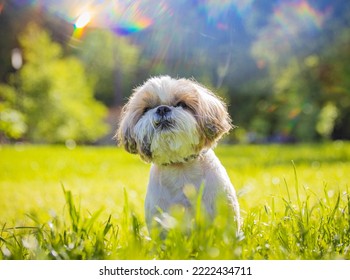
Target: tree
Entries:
(308, 69)
(111, 62)
(12, 121)
(334, 72)
(53, 94)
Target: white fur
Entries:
(166, 186)
(168, 146)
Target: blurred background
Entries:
(67, 67)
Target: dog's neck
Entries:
(174, 177)
(185, 160)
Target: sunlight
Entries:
(83, 20)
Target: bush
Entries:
(53, 94)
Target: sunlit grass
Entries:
(87, 203)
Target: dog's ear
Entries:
(213, 117)
(125, 140)
(124, 135)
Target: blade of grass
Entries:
(296, 185)
(72, 210)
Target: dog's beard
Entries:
(174, 139)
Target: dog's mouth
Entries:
(163, 124)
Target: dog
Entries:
(174, 124)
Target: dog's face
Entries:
(171, 121)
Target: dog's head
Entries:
(171, 121)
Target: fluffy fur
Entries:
(174, 123)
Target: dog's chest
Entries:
(167, 186)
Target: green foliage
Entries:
(53, 94)
(77, 237)
(12, 121)
(296, 109)
(334, 74)
(294, 201)
(111, 62)
(309, 88)
(327, 118)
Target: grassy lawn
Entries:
(87, 203)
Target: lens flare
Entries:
(83, 20)
(294, 17)
(132, 27)
(123, 18)
(291, 21)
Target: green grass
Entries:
(87, 203)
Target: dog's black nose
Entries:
(163, 110)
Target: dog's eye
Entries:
(181, 104)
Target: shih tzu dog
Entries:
(174, 124)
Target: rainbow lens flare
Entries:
(123, 17)
(132, 27)
(295, 16)
(290, 20)
(83, 20)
